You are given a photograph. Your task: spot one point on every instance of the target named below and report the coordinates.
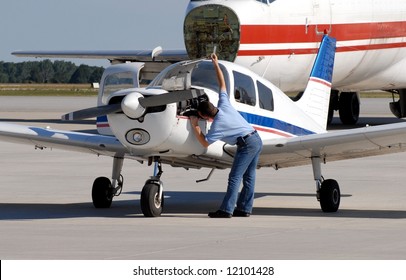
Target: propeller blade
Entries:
(170, 97)
(155, 100)
(92, 112)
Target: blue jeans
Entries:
(243, 169)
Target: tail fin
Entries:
(316, 97)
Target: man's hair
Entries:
(206, 108)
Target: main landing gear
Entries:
(152, 198)
(348, 106)
(103, 190)
(328, 191)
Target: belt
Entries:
(249, 134)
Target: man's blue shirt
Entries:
(228, 124)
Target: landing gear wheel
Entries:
(330, 196)
(151, 203)
(349, 108)
(334, 105)
(102, 193)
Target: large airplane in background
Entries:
(278, 40)
(151, 124)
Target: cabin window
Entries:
(265, 97)
(244, 90)
(116, 82)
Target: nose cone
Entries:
(131, 105)
(212, 27)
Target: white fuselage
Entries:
(279, 40)
(166, 132)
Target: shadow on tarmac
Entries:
(178, 204)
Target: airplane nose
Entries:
(211, 27)
(131, 105)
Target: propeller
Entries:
(92, 112)
(134, 104)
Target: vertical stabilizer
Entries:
(316, 97)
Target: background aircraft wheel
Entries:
(151, 205)
(330, 196)
(349, 108)
(102, 193)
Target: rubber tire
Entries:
(101, 193)
(149, 205)
(349, 108)
(334, 105)
(330, 196)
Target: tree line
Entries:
(47, 71)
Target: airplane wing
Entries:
(277, 153)
(155, 60)
(335, 145)
(155, 55)
(66, 140)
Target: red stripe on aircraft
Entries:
(273, 131)
(103, 125)
(316, 80)
(272, 34)
(314, 50)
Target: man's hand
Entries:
(214, 58)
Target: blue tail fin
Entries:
(316, 97)
(323, 66)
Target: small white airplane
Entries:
(278, 40)
(152, 125)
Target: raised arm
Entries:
(220, 76)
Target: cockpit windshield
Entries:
(182, 75)
(203, 75)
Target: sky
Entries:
(89, 25)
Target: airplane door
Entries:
(322, 17)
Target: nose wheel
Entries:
(152, 198)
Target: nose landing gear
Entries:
(152, 198)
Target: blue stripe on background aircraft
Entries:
(278, 39)
(152, 125)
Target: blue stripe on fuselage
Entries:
(101, 119)
(262, 121)
(275, 124)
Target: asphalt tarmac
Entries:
(46, 210)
